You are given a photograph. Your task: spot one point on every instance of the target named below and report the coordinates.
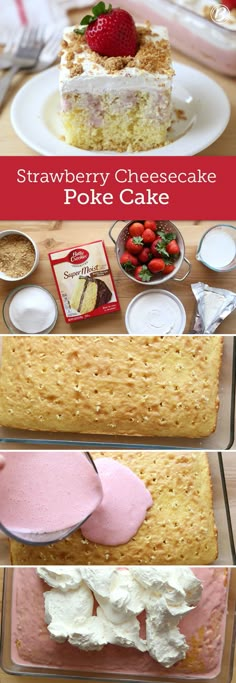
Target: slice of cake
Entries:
(88, 294)
(116, 95)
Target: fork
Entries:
(46, 57)
(7, 54)
(49, 53)
(25, 56)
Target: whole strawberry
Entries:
(110, 32)
(230, 4)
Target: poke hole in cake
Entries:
(117, 102)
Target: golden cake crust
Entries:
(117, 385)
(179, 528)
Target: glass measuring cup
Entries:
(217, 248)
(45, 496)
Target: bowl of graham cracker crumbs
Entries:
(19, 255)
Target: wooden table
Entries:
(5, 678)
(11, 145)
(229, 460)
(56, 235)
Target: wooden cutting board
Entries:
(51, 236)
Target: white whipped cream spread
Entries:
(163, 594)
(96, 79)
(67, 607)
(61, 577)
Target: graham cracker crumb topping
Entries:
(17, 255)
(180, 114)
(152, 56)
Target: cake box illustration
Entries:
(84, 281)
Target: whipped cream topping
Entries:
(117, 592)
(175, 581)
(66, 608)
(95, 79)
(62, 578)
(166, 644)
(163, 594)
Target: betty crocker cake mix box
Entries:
(84, 281)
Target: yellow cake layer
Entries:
(127, 130)
(77, 293)
(131, 385)
(89, 299)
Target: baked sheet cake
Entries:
(117, 385)
(179, 528)
(203, 629)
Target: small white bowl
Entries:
(155, 311)
(6, 310)
(7, 278)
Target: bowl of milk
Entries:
(217, 248)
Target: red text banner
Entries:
(104, 188)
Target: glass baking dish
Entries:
(210, 42)
(222, 439)
(10, 667)
(226, 543)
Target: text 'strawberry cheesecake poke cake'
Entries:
(157, 622)
(115, 83)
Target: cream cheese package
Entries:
(84, 281)
(213, 306)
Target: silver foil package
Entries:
(213, 306)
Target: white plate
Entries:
(35, 115)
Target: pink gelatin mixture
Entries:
(123, 507)
(42, 491)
